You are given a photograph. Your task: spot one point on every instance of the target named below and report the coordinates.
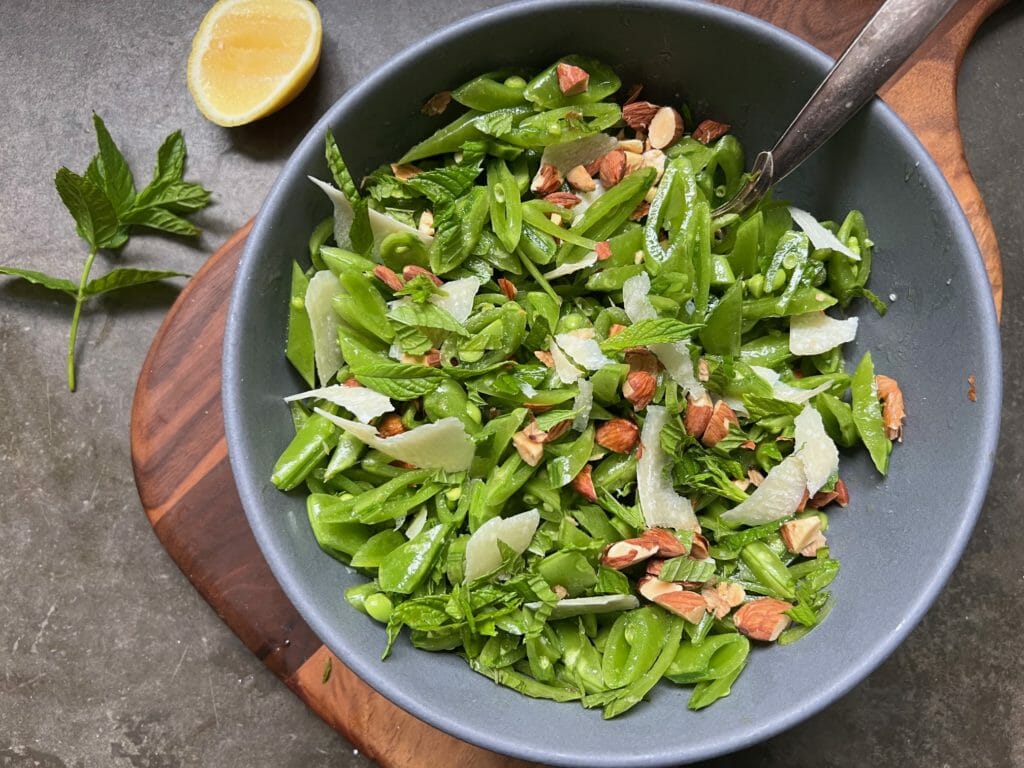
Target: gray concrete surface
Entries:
(108, 656)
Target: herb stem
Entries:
(79, 298)
(539, 278)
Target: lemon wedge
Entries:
(251, 57)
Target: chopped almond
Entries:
(893, 412)
(425, 225)
(642, 359)
(583, 484)
(634, 146)
(800, 507)
(547, 180)
(698, 414)
(388, 276)
(404, 172)
(558, 430)
(508, 288)
(545, 357)
(593, 167)
(564, 199)
(665, 128)
(528, 445)
(390, 425)
(654, 566)
(699, 547)
(409, 271)
(755, 476)
(673, 597)
(618, 435)
(814, 545)
(580, 179)
(634, 161)
(797, 534)
(709, 130)
(723, 597)
(633, 95)
(437, 103)
(842, 494)
(640, 211)
(603, 250)
(623, 554)
(613, 168)
(639, 389)
(822, 499)
(763, 619)
(668, 545)
(638, 114)
(656, 159)
(615, 329)
(972, 388)
(718, 426)
(572, 80)
(351, 381)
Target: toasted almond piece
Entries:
(432, 358)
(822, 499)
(530, 450)
(613, 168)
(723, 597)
(351, 381)
(718, 426)
(564, 199)
(603, 250)
(698, 414)
(638, 114)
(709, 130)
(410, 271)
(404, 172)
(583, 484)
(547, 180)
(545, 357)
(755, 476)
(650, 194)
(508, 288)
(842, 493)
(703, 370)
(572, 80)
(634, 161)
(537, 407)
(632, 145)
(893, 412)
(425, 225)
(654, 158)
(639, 389)
(437, 103)
(668, 545)
(642, 359)
(763, 619)
(654, 566)
(742, 483)
(748, 445)
(558, 430)
(665, 129)
(390, 425)
(580, 179)
(615, 329)
(618, 435)
(802, 505)
(673, 597)
(814, 545)
(797, 534)
(972, 388)
(640, 211)
(593, 167)
(389, 277)
(699, 547)
(623, 554)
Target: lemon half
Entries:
(251, 57)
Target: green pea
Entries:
(448, 398)
(755, 285)
(378, 606)
(571, 322)
(515, 82)
(778, 280)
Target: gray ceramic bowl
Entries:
(901, 537)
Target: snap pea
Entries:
(715, 657)
(406, 566)
(609, 212)
(345, 455)
(867, 414)
(308, 449)
(723, 327)
(491, 91)
(569, 570)
(339, 260)
(376, 548)
(633, 646)
(768, 569)
(505, 206)
(400, 249)
(323, 232)
(448, 139)
(635, 692)
(803, 300)
(544, 89)
(299, 347)
(708, 692)
(368, 308)
(568, 460)
(837, 417)
(527, 685)
(617, 470)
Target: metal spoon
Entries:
(887, 40)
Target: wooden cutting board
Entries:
(180, 454)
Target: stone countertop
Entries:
(110, 658)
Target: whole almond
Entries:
(718, 426)
(613, 168)
(638, 114)
(639, 389)
(583, 484)
(665, 128)
(580, 179)
(547, 180)
(709, 130)
(572, 80)
(564, 199)
(698, 414)
(618, 435)
(763, 619)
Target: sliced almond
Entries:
(718, 426)
(763, 619)
(665, 128)
(623, 554)
(572, 80)
(564, 199)
(583, 484)
(613, 168)
(710, 130)
(580, 179)
(698, 414)
(617, 435)
(797, 534)
(639, 389)
(638, 114)
(673, 597)
(547, 180)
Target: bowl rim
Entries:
(370, 670)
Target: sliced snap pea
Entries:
(299, 347)
(867, 414)
(544, 89)
(405, 567)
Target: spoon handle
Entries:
(895, 31)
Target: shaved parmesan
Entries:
(818, 235)
(815, 448)
(459, 299)
(323, 320)
(815, 332)
(564, 368)
(578, 606)
(381, 224)
(635, 299)
(787, 392)
(569, 154)
(419, 522)
(583, 404)
(778, 495)
(482, 553)
(583, 349)
(661, 506)
(441, 445)
(575, 266)
(364, 403)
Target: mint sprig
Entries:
(106, 208)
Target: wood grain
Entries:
(180, 459)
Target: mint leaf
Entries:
(411, 340)
(41, 278)
(360, 233)
(403, 387)
(646, 332)
(162, 220)
(95, 219)
(170, 168)
(685, 569)
(443, 185)
(109, 170)
(419, 289)
(117, 279)
(426, 316)
(401, 381)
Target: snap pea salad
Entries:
(568, 423)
